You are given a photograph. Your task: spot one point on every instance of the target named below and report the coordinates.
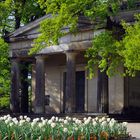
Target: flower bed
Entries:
(61, 129)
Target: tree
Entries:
(104, 54)
(16, 13)
(66, 13)
(4, 61)
(4, 74)
(107, 52)
(13, 14)
(110, 53)
(129, 47)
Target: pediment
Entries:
(29, 29)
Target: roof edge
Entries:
(28, 27)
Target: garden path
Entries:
(134, 129)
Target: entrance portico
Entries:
(59, 82)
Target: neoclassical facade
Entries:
(55, 79)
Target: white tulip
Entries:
(53, 125)
(6, 121)
(42, 118)
(11, 124)
(67, 117)
(96, 118)
(87, 121)
(94, 123)
(5, 117)
(56, 119)
(112, 120)
(65, 122)
(21, 117)
(53, 118)
(16, 122)
(25, 117)
(65, 130)
(49, 121)
(75, 128)
(111, 124)
(28, 119)
(78, 121)
(14, 119)
(21, 122)
(33, 123)
(74, 119)
(103, 119)
(8, 116)
(100, 120)
(108, 119)
(44, 122)
(89, 118)
(40, 125)
(37, 119)
(124, 124)
(104, 123)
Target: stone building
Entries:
(58, 78)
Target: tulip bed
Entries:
(23, 128)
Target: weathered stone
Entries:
(15, 83)
(40, 85)
(70, 82)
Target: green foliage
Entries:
(12, 11)
(65, 13)
(131, 47)
(30, 11)
(5, 9)
(109, 54)
(104, 54)
(13, 14)
(4, 74)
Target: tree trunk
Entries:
(19, 6)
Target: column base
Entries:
(39, 110)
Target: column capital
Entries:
(71, 52)
(15, 59)
(40, 57)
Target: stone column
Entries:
(24, 87)
(105, 108)
(102, 93)
(15, 83)
(99, 92)
(40, 86)
(70, 97)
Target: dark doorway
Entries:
(80, 91)
(25, 87)
(132, 95)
